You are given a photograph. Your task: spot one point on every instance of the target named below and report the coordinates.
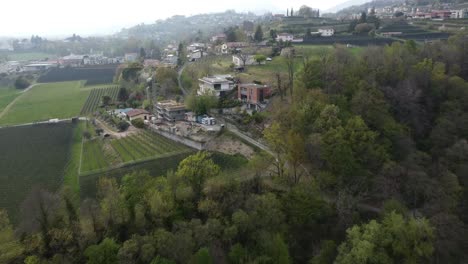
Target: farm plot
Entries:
(45, 101)
(93, 75)
(94, 99)
(146, 145)
(7, 95)
(93, 157)
(32, 157)
(137, 148)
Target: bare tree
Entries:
(290, 65)
(279, 85)
(243, 57)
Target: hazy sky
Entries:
(59, 17)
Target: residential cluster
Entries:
(434, 12)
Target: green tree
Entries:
(394, 240)
(260, 58)
(202, 257)
(195, 170)
(103, 253)
(160, 260)
(142, 53)
(274, 136)
(280, 252)
(123, 94)
(305, 11)
(22, 83)
(273, 34)
(258, 36)
(237, 254)
(106, 100)
(138, 123)
(202, 104)
(327, 253)
(10, 247)
(122, 125)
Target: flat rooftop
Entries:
(253, 85)
(171, 105)
(217, 78)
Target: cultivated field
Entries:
(92, 75)
(26, 56)
(45, 101)
(102, 154)
(94, 99)
(413, 32)
(32, 156)
(7, 95)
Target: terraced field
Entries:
(146, 145)
(93, 157)
(133, 149)
(94, 99)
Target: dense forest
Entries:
(370, 166)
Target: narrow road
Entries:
(45, 122)
(22, 93)
(252, 141)
(179, 79)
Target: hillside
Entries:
(178, 27)
(345, 5)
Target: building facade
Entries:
(326, 32)
(253, 94)
(170, 110)
(217, 85)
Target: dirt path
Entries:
(130, 131)
(22, 93)
(179, 78)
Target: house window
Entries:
(217, 86)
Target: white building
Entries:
(284, 37)
(249, 60)
(39, 66)
(131, 57)
(196, 55)
(326, 32)
(196, 46)
(216, 85)
(459, 14)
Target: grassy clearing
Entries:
(266, 73)
(32, 157)
(45, 101)
(7, 95)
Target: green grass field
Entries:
(30, 157)
(7, 95)
(45, 101)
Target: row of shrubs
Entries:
(358, 40)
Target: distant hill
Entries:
(346, 5)
(177, 27)
(368, 4)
